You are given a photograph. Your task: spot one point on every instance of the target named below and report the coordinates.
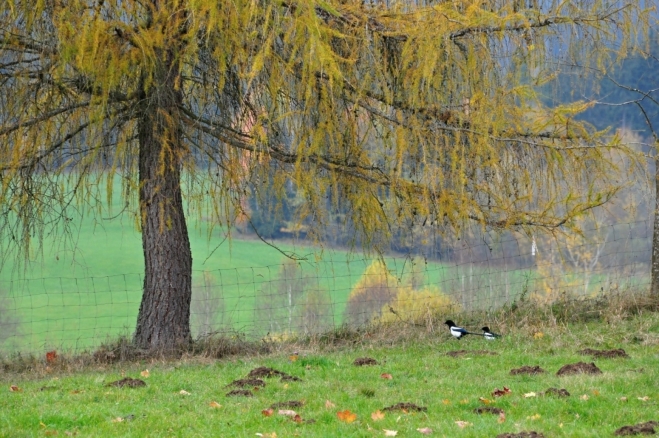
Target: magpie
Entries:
(487, 334)
(456, 331)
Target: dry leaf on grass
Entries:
(377, 415)
(390, 432)
(483, 400)
(14, 388)
(184, 392)
(287, 412)
(501, 392)
(530, 394)
(215, 405)
(297, 419)
(117, 420)
(623, 399)
(502, 418)
(346, 416)
(425, 430)
(446, 401)
(293, 357)
(462, 424)
(584, 397)
(533, 417)
(329, 405)
(267, 435)
(268, 412)
(645, 398)
(145, 373)
(386, 376)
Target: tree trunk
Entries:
(163, 322)
(654, 288)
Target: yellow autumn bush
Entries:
(418, 306)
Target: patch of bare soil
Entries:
(131, 383)
(527, 370)
(242, 383)
(557, 392)
(260, 372)
(288, 378)
(578, 368)
(240, 393)
(488, 410)
(404, 406)
(530, 434)
(292, 404)
(605, 354)
(361, 361)
(457, 353)
(638, 429)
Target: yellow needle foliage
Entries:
(396, 113)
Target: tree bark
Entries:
(163, 322)
(654, 288)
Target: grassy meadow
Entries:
(74, 297)
(189, 396)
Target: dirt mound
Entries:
(287, 404)
(527, 370)
(578, 368)
(638, 429)
(530, 434)
(241, 383)
(457, 353)
(288, 378)
(605, 354)
(361, 361)
(405, 407)
(131, 383)
(557, 392)
(260, 372)
(240, 393)
(488, 410)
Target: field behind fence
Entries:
(285, 297)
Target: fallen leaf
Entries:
(346, 416)
(425, 430)
(293, 357)
(596, 393)
(297, 418)
(51, 356)
(184, 392)
(215, 404)
(145, 373)
(390, 432)
(76, 391)
(646, 398)
(446, 401)
(538, 335)
(584, 397)
(117, 420)
(50, 432)
(501, 392)
(533, 417)
(623, 398)
(377, 415)
(529, 394)
(464, 401)
(329, 404)
(462, 424)
(268, 412)
(484, 400)
(41, 424)
(287, 412)
(386, 376)
(502, 418)
(267, 435)
(14, 388)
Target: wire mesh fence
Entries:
(303, 297)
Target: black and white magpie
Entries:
(456, 331)
(487, 334)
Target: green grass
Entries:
(423, 374)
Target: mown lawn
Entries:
(450, 388)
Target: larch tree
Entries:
(404, 113)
